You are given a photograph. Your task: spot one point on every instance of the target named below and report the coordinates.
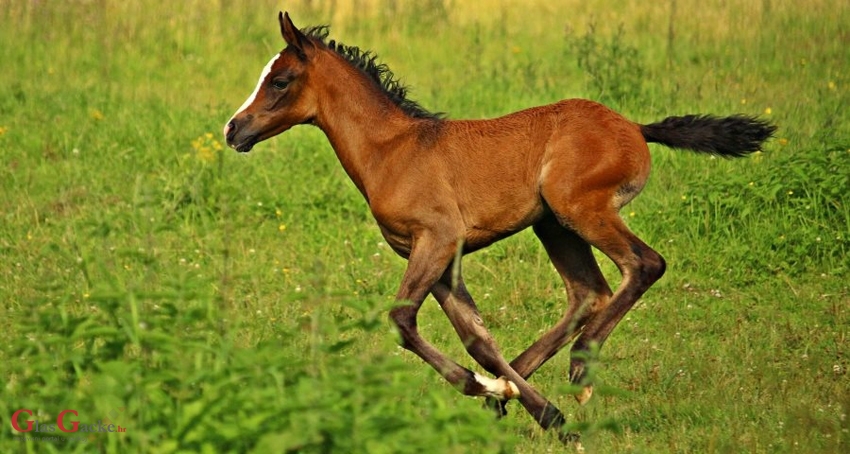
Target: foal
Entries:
(441, 188)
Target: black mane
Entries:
(367, 62)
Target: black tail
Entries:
(735, 136)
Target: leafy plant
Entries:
(182, 383)
(614, 67)
(802, 191)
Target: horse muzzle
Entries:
(236, 140)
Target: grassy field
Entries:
(214, 302)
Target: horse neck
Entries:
(360, 121)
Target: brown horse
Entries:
(441, 188)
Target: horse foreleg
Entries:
(426, 264)
(466, 320)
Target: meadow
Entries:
(212, 302)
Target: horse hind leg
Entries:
(640, 266)
(587, 293)
(594, 217)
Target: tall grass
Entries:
(220, 303)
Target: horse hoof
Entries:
(584, 395)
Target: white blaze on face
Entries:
(253, 96)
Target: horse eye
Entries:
(280, 84)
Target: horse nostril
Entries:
(229, 130)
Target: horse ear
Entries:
(290, 32)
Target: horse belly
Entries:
(499, 217)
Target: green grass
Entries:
(224, 303)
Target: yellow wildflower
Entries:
(206, 147)
(206, 154)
